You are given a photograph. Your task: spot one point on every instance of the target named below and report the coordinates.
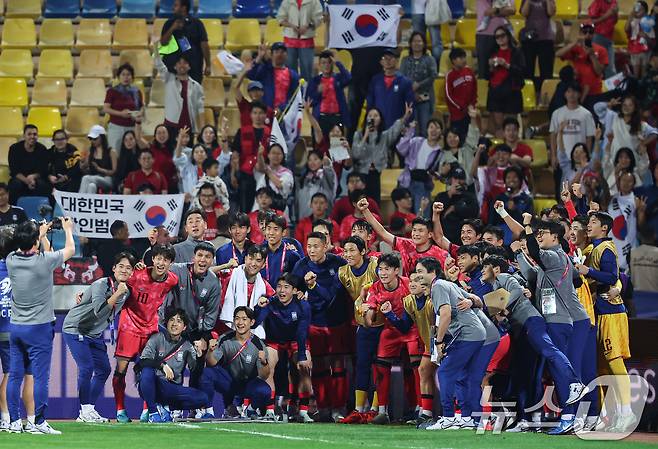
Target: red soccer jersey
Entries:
(345, 230)
(378, 295)
(269, 291)
(408, 218)
(410, 255)
(140, 312)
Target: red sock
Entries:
(246, 402)
(410, 388)
(119, 387)
(144, 406)
(383, 383)
(427, 403)
(339, 384)
(321, 384)
(303, 401)
(270, 405)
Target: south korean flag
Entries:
(355, 26)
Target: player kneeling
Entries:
(237, 366)
(163, 360)
(286, 319)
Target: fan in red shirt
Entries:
(319, 207)
(145, 175)
(391, 288)
(420, 244)
(139, 316)
(346, 223)
(255, 92)
(344, 207)
(461, 90)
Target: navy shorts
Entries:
(4, 359)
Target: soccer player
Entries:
(286, 319)
(362, 229)
(237, 366)
(602, 272)
(161, 364)
(326, 227)
(83, 329)
(246, 286)
(390, 287)
(32, 317)
(471, 231)
(239, 228)
(281, 256)
(195, 228)
(330, 333)
(139, 318)
(420, 244)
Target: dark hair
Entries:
(510, 39)
(436, 121)
(471, 250)
(183, 57)
(561, 211)
(265, 191)
(145, 186)
(493, 250)
(7, 241)
(495, 230)
(356, 195)
(186, 3)
(474, 223)
(319, 195)
(423, 222)
(503, 147)
(206, 186)
(431, 264)
(26, 235)
(496, 261)
(629, 153)
(171, 312)
(132, 260)
(257, 250)
(545, 211)
(208, 163)
(362, 224)
(582, 219)
(144, 150)
(293, 280)
(553, 227)
(510, 120)
(278, 220)
(4, 186)
(422, 36)
(239, 219)
(636, 115)
(30, 126)
(390, 260)
(317, 235)
(165, 250)
(194, 211)
(585, 149)
(605, 219)
(354, 174)
(514, 169)
(323, 222)
(60, 131)
(123, 146)
(222, 225)
(574, 85)
(116, 226)
(276, 145)
(397, 225)
(380, 128)
(456, 53)
(247, 311)
(358, 241)
(400, 193)
(199, 137)
(128, 67)
(104, 145)
(326, 54)
(204, 246)
(258, 105)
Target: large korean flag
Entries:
(354, 26)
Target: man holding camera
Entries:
(32, 326)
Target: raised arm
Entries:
(386, 236)
(439, 237)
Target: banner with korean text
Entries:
(93, 214)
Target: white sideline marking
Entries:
(188, 426)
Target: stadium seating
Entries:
(11, 122)
(56, 33)
(141, 61)
(233, 116)
(137, 9)
(166, 8)
(566, 9)
(546, 92)
(152, 118)
(31, 205)
(88, 92)
(14, 92)
(219, 9)
(207, 118)
(47, 119)
(16, 63)
(539, 152)
(619, 36)
(55, 63)
(80, 119)
(543, 203)
(215, 32)
(389, 181)
(23, 8)
(321, 37)
(441, 104)
(252, 8)
(273, 31)
(465, 33)
(130, 33)
(65, 9)
(529, 96)
(345, 57)
(445, 65)
(95, 64)
(483, 91)
(19, 33)
(94, 33)
(5, 143)
(156, 98)
(241, 34)
(214, 96)
(49, 92)
(99, 8)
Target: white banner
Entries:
(354, 26)
(292, 119)
(93, 214)
(276, 136)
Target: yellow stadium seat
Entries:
(446, 36)
(5, 143)
(88, 92)
(56, 33)
(214, 95)
(19, 33)
(81, 143)
(47, 119)
(156, 97)
(95, 64)
(529, 96)
(566, 9)
(557, 66)
(321, 37)
(465, 33)
(440, 94)
(470, 8)
(546, 93)
(517, 9)
(157, 28)
(626, 6)
(445, 65)
(233, 116)
(207, 118)
(94, 33)
(438, 188)
(80, 119)
(141, 61)
(14, 92)
(389, 181)
(11, 122)
(16, 63)
(241, 34)
(24, 8)
(543, 203)
(4, 174)
(130, 33)
(539, 152)
(55, 63)
(619, 36)
(517, 25)
(49, 92)
(483, 91)
(273, 31)
(215, 32)
(345, 57)
(152, 118)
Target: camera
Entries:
(46, 210)
(588, 43)
(371, 123)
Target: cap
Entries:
(390, 51)
(254, 85)
(278, 46)
(458, 173)
(95, 131)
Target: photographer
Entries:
(32, 326)
(459, 204)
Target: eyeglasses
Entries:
(587, 30)
(59, 139)
(501, 35)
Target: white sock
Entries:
(211, 410)
(536, 417)
(626, 409)
(567, 417)
(86, 408)
(383, 409)
(303, 412)
(4, 416)
(30, 419)
(591, 419)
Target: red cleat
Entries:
(369, 416)
(353, 418)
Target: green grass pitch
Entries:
(289, 436)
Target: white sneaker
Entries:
(305, 417)
(176, 414)
(467, 423)
(31, 428)
(521, 426)
(98, 418)
(337, 416)
(453, 423)
(45, 429)
(270, 416)
(444, 423)
(15, 427)
(4, 426)
(576, 392)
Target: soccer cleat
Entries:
(305, 418)
(154, 418)
(521, 426)
(4, 426)
(426, 424)
(15, 427)
(565, 427)
(354, 417)
(369, 416)
(381, 419)
(270, 416)
(164, 414)
(207, 416)
(122, 417)
(176, 414)
(623, 423)
(30, 427)
(423, 418)
(467, 423)
(337, 416)
(444, 423)
(576, 392)
(45, 429)
(593, 424)
(144, 417)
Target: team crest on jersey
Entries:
(248, 358)
(179, 357)
(203, 292)
(294, 316)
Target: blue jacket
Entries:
(287, 323)
(341, 80)
(264, 72)
(390, 102)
